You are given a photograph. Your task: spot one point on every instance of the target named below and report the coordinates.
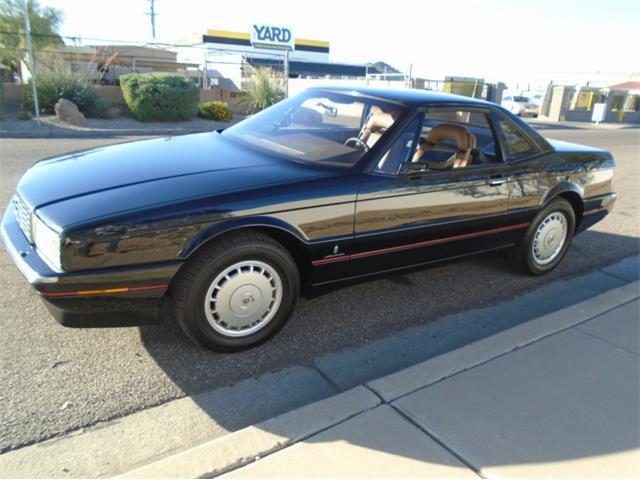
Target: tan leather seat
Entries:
(463, 140)
(376, 125)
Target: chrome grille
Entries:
(23, 216)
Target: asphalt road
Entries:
(54, 379)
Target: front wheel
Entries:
(236, 293)
(547, 239)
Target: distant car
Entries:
(329, 186)
(521, 106)
(534, 97)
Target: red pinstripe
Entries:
(411, 246)
(595, 210)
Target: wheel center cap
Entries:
(245, 300)
(551, 238)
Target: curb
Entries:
(245, 446)
(249, 444)
(7, 134)
(423, 374)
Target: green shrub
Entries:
(54, 86)
(160, 96)
(263, 89)
(218, 111)
(24, 115)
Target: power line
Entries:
(199, 45)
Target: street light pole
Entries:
(27, 30)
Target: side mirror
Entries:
(329, 110)
(412, 167)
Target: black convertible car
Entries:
(331, 185)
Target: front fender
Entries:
(226, 226)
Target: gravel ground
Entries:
(54, 379)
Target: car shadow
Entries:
(364, 331)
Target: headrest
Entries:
(379, 121)
(454, 133)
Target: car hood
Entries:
(117, 178)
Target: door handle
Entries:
(496, 182)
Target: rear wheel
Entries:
(546, 240)
(236, 293)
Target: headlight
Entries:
(47, 242)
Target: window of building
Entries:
(632, 104)
(618, 102)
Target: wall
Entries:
(563, 106)
(111, 94)
(220, 95)
(114, 95)
(12, 93)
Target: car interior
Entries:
(337, 133)
(377, 123)
(463, 139)
(448, 140)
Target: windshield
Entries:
(319, 126)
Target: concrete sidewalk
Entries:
(557, 396)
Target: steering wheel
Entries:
(358, 143)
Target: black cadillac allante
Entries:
(331, 185)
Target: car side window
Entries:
(515, 142)
(398, 154)
(454, 138)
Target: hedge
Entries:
(218, 111)
(160, 97)
(54, 86)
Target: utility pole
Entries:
(27, 32)
(205, 72)
(286, 73)
(152, 14)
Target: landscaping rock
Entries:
(68, 112)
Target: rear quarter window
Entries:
(516, 143)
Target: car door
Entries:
(410, 217)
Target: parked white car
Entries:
(520, 105)
(534, 96)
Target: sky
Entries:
(493, 39)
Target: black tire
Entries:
(522, 257)
(194, 280)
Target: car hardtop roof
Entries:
(407, 96)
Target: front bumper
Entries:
(529, 111)
(111, 297)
